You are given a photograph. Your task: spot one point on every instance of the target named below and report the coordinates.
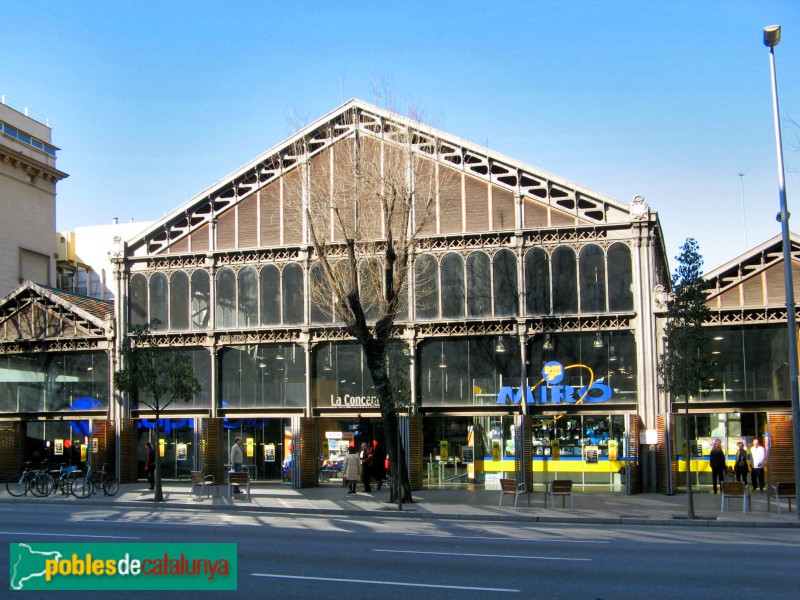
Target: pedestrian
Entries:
(150, 464)
(740, 468)
(717, 461)
(366, 465)
(237, 458)
(379, 465)
(758, 458)
(350, 468)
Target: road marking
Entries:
(159, 523)
(397, 583)
(483, 537)
(483, 555)
(77, 535)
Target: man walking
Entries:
(366, 465)
(237, 458)
(758, 457)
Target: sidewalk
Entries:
(447, 503)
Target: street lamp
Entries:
(772, 35)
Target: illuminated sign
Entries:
(553, 392)
(354, 401)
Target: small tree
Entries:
(156, 379)
(686, 365)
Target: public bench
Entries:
(202, 483)
(781, 490)
(735, 489)
(511, 488)
(238, 479)
(559, 487)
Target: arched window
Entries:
(479, 284)
(506, 289)
(293, 297)
(593, 279)
(270, 280)
(201, 304)
(620, 278)
(138, 300)
(426, 287)
(226, 298)
(370, 284)
(159, 314)
(248, 297)
(537, 282)
(452, 286)
(565, 281)
(179, 301)
(321, 296)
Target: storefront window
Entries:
(341, 377)
(201, 367)
(267, 376)
(749, 364)
(54, 382)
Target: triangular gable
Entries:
(35, 312)
(550, 201)
(756, 278)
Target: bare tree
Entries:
(369, 200)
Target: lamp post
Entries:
(772, 35)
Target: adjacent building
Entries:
(28, 178)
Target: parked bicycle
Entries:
(64, 477)
(84, 486)
(36, 481)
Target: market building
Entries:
(519, 275)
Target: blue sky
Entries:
(152, 102)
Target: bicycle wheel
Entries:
(42, 485)
(18, 485)
(110, 485)
(82, 487)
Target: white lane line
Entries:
(159, 523)
(76, 535)
(397, 583)
(507, 539)
(484, 555)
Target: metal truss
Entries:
(356, 116)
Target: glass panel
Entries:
(270, 295)
(226, 298)
(321, 297)
(565, 285)
(54, 382)
(266, 376)
(750, 365)
(248, 297)
(159, 316)
(593, 279)
(293, 297)
(479, 302)
(426, 287)
(201, 292)
(452, 286)
(506, 291)
(179, 301)
(138, 300)
(370, 283)
(620, 278)
(537, 282)
(201, 366)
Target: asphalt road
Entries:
(284, 556)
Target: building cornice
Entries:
(30, 165)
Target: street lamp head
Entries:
(772, 35)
